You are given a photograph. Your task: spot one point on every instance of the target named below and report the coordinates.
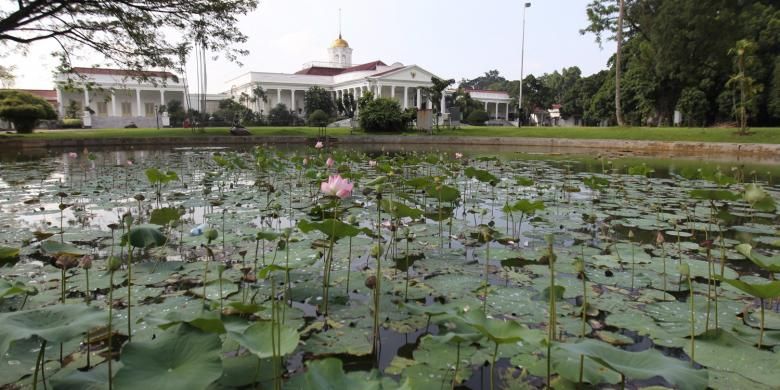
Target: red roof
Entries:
(123, 72)
(486, 91)
(326, 71)
(49, 95)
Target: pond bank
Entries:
(733, 150)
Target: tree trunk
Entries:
(618, 108)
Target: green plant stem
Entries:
(349, 263)
(110, 330)
(693, 322)
(493, 365)
(406, 288)
(761, 332)
(129, 284)
(39, 364)
(205, 278)
(457, 366)
(487, 282)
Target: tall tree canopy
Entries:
(132, 34)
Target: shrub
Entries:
(280, 116)
(24, 110)
(693, 106)
(71, 123)
(382, 115)
(477, 118)
(318, 118)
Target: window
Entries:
(102, 109)
(126, 111)
(149, 109)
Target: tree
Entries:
(24, 110)
(435, 93)
(747, 87)
(381, 115)
(773, 105)
(280, 115)
(478, 117)
(258, 95)
(492, 80)
(7, 77)
(608, 16)
(317, 98)
(230, 110)
(176, 113)
(73, 110)
(131, 34)
(693, 106)
(318, 118)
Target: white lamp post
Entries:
(522, 63)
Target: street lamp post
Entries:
(522, 63)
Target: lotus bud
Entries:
(684, 269)
(579, 265)
(66, 261)
(631, 234)
(114, 264)
(659, 238)
(371, 282)
(211, 235)
(86, 262)
(375, 250)
(139, 197)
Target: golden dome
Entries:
(340, 43)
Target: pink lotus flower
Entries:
(319, 145)
(371, 163)
(337, 186)
(129, 162)
(306, 161)
(330, 162)
(73, 154)
(458, 155)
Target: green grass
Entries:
(760, 135)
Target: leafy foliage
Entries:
(24, 110)
(382, 115)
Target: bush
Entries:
(24, 110)
(318, 118)
(477, 118)
(280, 116)
(382, 115)
(693, 105)
(71, 123)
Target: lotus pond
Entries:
(341, 269)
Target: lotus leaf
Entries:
(55, 324)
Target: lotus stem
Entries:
(39, 364)
(457, 366)
(487, 282)
(493, 365)
(129, 284)
(110, 330)
(761, 332)
(349, 263)
(693, 322)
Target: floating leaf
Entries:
(185, 359)
(642, 365)
(56, 324)
(146, 237)
(257, 339)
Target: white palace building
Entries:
(116, 97)
(339, 75)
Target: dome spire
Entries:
(339, 23)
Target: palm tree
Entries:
(258, 94)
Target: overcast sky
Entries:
(453, 39)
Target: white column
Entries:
(185, 103)
(406, 97)
(496, 110)
(86, 97)
(292, 99)
(138, 102)
(378, 90)
(162, 97)
(113, 103)
(419, 99)
(485, 106)
(392, 91)
(60, 103)
(278, 96)
(443, 107)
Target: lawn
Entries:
(759, 135)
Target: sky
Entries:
(453, 39)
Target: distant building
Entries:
(403, 83)
(117, 97)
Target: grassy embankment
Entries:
(759, 135)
